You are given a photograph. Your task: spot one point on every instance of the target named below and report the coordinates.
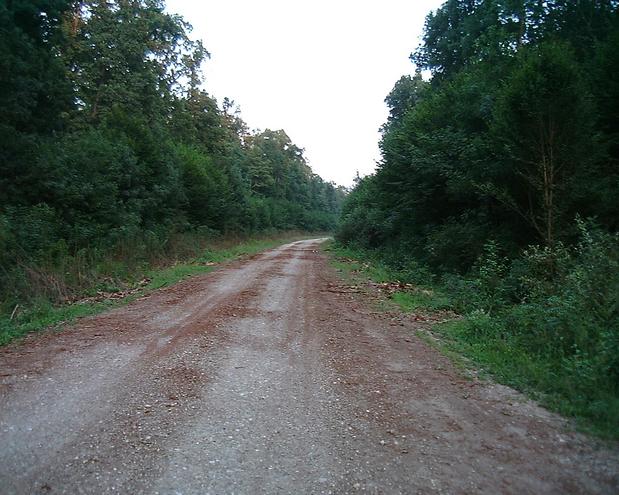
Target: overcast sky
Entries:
(319, 69)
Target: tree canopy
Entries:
(511, 138)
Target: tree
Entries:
(35, 93)
(407, 92)
(108, 134)
(543, 119)
(129, 53)
(34, 90)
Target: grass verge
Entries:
(42, 314)
(492, 346)
(357, 266)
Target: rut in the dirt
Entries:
(262, 377)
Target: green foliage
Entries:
(555, 311)
(575, 313)
(363, 222)
(128, 54)
(205, 188)
(33, 87)
(543, 119)
(112, 151)
(484, 168)
(505, 143)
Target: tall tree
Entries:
(129, 53)
(545, 123)
(35, 93)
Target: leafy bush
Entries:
(575, 313)
(546, 321)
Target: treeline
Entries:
(110, 142)
(499, 183)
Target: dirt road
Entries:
(263, 377)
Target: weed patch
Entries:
(555, 339)
(45, 311)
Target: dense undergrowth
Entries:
(546, 322)
(48, 294)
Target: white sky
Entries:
(319, 69)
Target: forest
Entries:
(498, 188)
(112, 151)
(496, 192)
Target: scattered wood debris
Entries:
(342, 289)
(113, 296)
(397, 286)
(14, 312)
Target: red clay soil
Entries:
(271, 376)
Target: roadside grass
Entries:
(41, 313)
(361, 266)
(502, 356)
(423, 300)
(497, 357)
(163, 277)
(214, 255)
(485, 344)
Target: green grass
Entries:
(169, 275)
(430, 300)
(42, 314)
(358, 266)
(502, 356)
(488, 344)
(498, 356)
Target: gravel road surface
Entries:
(269, 376)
